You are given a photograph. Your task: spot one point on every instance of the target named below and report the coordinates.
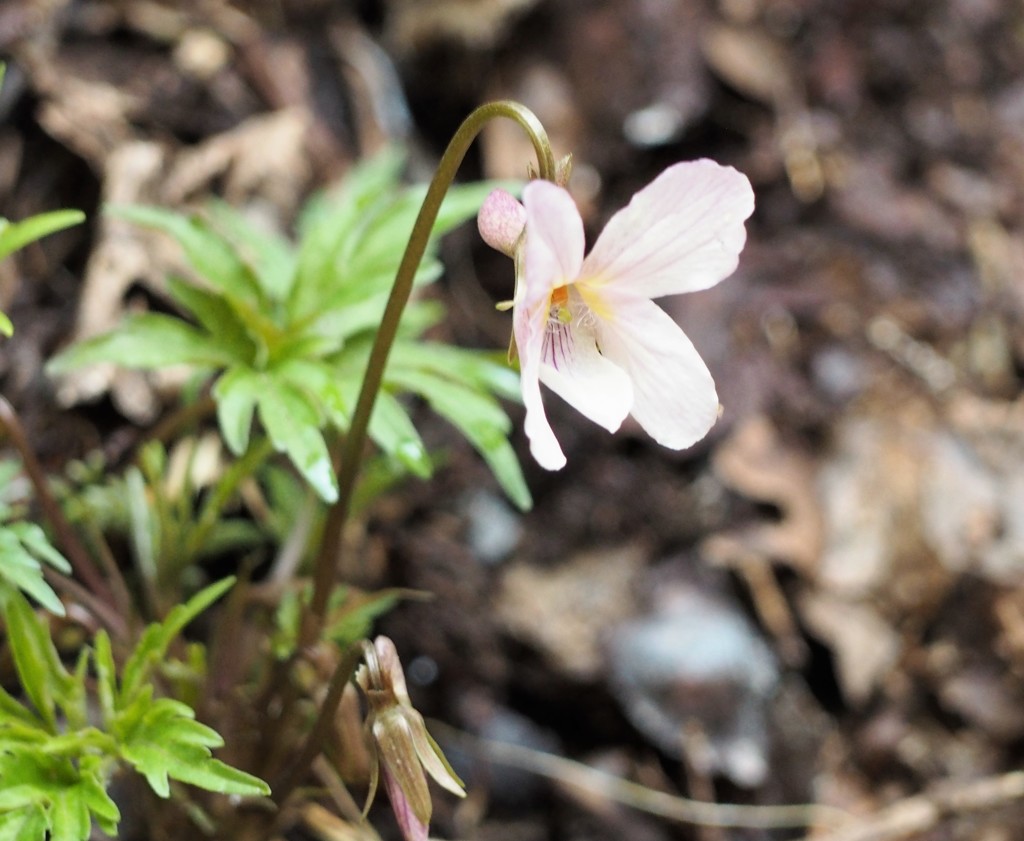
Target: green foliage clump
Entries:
(61, 746)
(285, 330)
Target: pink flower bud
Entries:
(501, 221)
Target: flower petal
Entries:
(554, 241)
(573, 368)
(529, 328)
(682, 232)
(552, 257)
(674, 397)
(390, 667)
(544, 446)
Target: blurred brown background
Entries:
(822, 603)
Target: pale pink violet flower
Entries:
(587, 327)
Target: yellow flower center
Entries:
(558, 309)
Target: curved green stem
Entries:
(347, 462)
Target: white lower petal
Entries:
(529, 332)
(544, 446)
(674, 397)
(573, 368)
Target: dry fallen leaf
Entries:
(141, 172)
(756, 463)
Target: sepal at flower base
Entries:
(402, 751)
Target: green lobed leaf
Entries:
(330, 226)
(351, 313)
(26, 823)
(353, 248)
(101, 806)
(34, 539)
(482, 370)
(13, 712)
(73, 700)
(16, 235)
(147, 340)
(168, 743)
(393, 431)
(20, 569)
(69, 815)
(320, 382)
(385, 236)
(304, 342)
(40, 671)
(106, 675)
(362, 280)
(68, 797)
(219, 318)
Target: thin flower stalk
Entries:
(348, 457)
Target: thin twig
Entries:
(109, 617)
(673, 807)
(919, 814)
(124, 604)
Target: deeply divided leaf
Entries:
(479, 418)
(168, 743)
(236, 392)
(270, 255)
